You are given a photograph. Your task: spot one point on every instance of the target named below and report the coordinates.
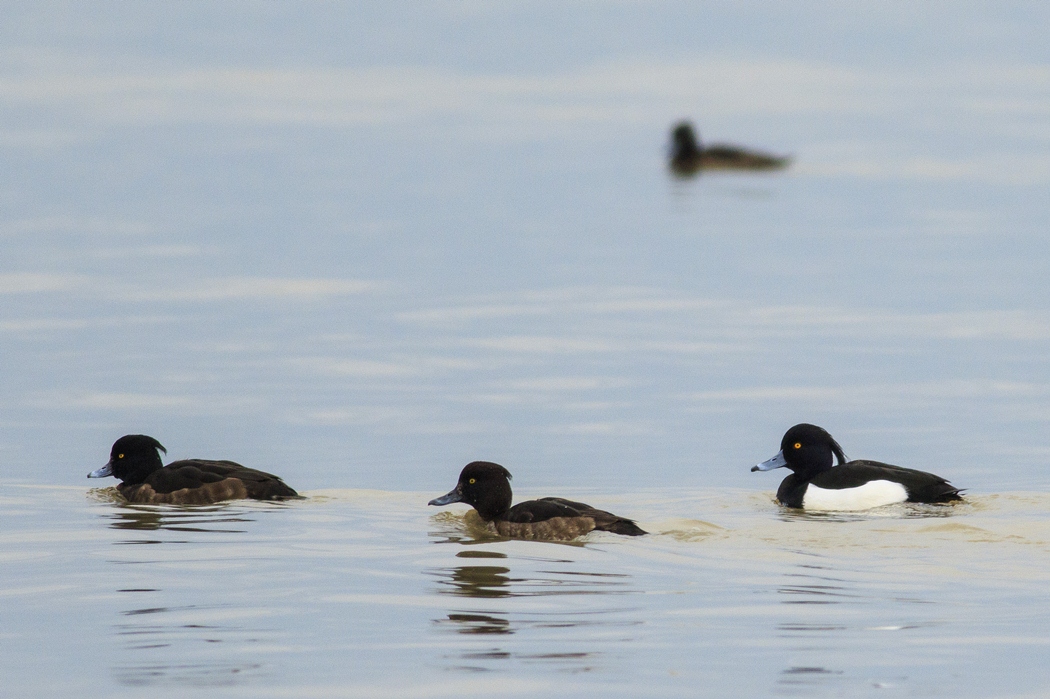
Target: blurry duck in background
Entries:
(688, 156)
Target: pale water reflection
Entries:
(180, 645)
(209, 519)
(257, 599)
(546, 577)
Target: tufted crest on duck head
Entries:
(810, 448)
(135, 456)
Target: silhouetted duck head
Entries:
(132, 459)
(483, 485)
(805, 449)
(684, 142)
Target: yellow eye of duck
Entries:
(798, 445)
(472, 481)
(120, 456)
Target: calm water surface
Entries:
(367, 593)
(361, 246)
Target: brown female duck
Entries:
(135, 460)
(485, 486)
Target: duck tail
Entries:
(623, 526)
(943, 492)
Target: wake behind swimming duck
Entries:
(135, 460)
(485, 486)
(688, 157)
(816, 484)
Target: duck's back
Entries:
(558, 518)
(201, 482)
(732, 157)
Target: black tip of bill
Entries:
(453, 496)
(777, 461)
(106, 470)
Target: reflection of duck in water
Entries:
(482, 624)
(135, 460)
(478, 581)
(486, 487)
(817, 484)
(689, 157)
(219, 518)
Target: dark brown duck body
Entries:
(135, 460)
(689, 157)
(486, 487)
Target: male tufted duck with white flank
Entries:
(816, 484)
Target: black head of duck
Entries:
(816, 483)
(688, 156)
(485, 486)
(135, 461)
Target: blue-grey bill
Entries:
(453, 496)
(777, 461)
(106, 470)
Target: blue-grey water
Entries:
(361, 245)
